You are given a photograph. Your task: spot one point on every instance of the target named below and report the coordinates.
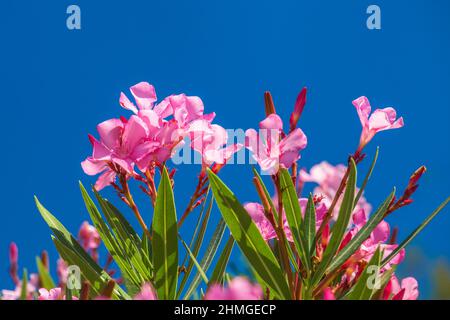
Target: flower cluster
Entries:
(320, 246)
(149, 136)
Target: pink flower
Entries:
(210, 140)
(407, 290)
(61, 271)
(256, 212)
(53, 294)
(120, 146)
(379, 120)
(269, 150)
(88, 236)
(147, 293)
(15, 294)
(328, 178)
(187, 109)
(378, 238)
(238, 289)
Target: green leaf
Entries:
(415, 232)
(97, 279)
(24, 287)
(199, 268)
(73, 253)
(310, 226)
(366, 179)
(219, 270)
(110, 242)
(197, 240)
(126, 240)
(294, 217)
(248, 237)
(339, 228)
(362, 235)
(366, 286)
(44, 276)
(165, 240)
(208, 257)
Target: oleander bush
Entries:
(329, 244)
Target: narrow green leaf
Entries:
(248, 237)
(199, 268)
(45, 277)
(362, 235)
(366, 285)
(367, 177)
(117, 252)
(415, 232)
(165, 240)
(97, 279)
(76, 253)
(294, 217)
(219, 270)
(310, 226)
(24, 287)
(197, 241)
(339, 228)
(208, 257)
(128, 242)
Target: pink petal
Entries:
(126, 103)
(380, 233)
(273, 121)
(144, 94)
(135, 131)
(163, 109)
(256, 212)
(105, 180)
(92, 167)
(100, 152)
(363, 108)
(410, 286)
(110, 132)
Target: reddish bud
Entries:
(417, 175)
(270, 107)
(298, 109)
(13, 253)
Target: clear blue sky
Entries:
(56, 85)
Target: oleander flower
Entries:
(256, 212)
(328, 178)
(239, 288)
(406, 290)
(32, 285)
(210, 141)
(52, 294)
(88, 236)
(270, 149)
(379, 120)
(120, 146)
(378, 238)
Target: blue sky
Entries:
(56, 85)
